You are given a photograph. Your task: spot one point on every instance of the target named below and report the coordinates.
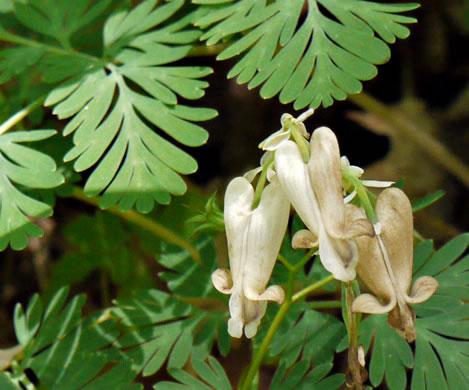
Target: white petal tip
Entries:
(222, 280)
(367, 303)
(377, 183)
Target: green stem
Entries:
(261, 183)
(305, 259)
(259, 356)
(285, 262)
(315, 286)
(302, 143)
(20, 115)
(265, 343)
(424, 140)
(144, 222)
(13, 38)
(362, 194)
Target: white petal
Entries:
(251, 174)
(222, 281)
(266, 231)
(250, 330)
(275, 140)
(377, 183)
(273, 293)
(339, 257)
(304, 239)
(236, 322)
(305, 115)
(293, 175)
(422, 290)
(350, 197)
(367, 303)
(238, 202)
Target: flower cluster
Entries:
(320, 185)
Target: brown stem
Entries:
(422, 139)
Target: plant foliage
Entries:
(311, 61)
(442, 345)
(21, 166)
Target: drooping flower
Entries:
(315, 190)
(254, 239)
(386, 263)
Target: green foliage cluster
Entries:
(117, 76)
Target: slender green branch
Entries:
(261, 183)
(309, 289)
(13, 38)
(289, 300)
(265, 343)
(144, 222)
(305, 259)
(363, 195)
(436, 150)
(20, 115)
(285, 262)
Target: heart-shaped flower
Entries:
(254, 238)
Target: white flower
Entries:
(386, 263)
(254, 239)
(276, 139)
(315, 191)
(353, 170)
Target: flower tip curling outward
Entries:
(254, 238)
(385, 266)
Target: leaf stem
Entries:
(144, 222)
(435, 149)
(289, 300)
(20, 115)
(261, 183)
(315, 286)
(13, 38)
(362, 194)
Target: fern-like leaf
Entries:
(313, 62)
(112, 118)
(63, 350)
(23, 166)
(212, 377)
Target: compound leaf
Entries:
(113, 119)
(442, 344)
(23, 166)
(311, 62)
(211, 373)
(62, 349)
(298, 377)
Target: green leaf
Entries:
(16, 60)
(304, 334)
(298, 377)
(212, 377)
(6, 383)
(187, 277)
(390, 354)
(63, 350)
(427, 200)
(114, 110)
(312, 62)
(100, 242)
(59, 19)
(23, 166)
(441, 350)
(442, 362)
